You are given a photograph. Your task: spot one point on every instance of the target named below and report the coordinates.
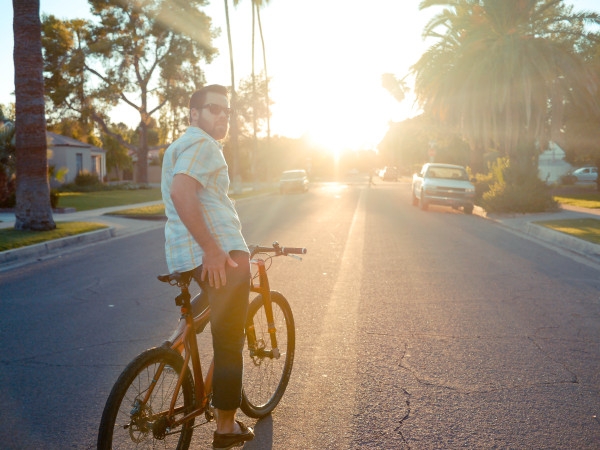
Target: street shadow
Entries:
(263, 435)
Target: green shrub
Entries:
(86, 179)
(568, 179)
(72, 187)
(54, 197)
(484, 182)
(532, 195)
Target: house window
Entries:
(79, 159)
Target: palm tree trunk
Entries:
(233, 135)
(254, 101)
(262, 40)
(33, 210)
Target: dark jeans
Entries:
(228, 310)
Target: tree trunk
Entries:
(254, 102)
(598, 179)
(233, 135)
(476, 158)
(142, 155)
(33, 210)
(262, 40)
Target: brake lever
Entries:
(296, 256)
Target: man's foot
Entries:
(225, 441)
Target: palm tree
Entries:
(501, 71)
(33, 211)
(256, 4)
(233, 136)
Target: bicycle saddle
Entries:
(176, 277)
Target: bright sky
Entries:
(325, 58)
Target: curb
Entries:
(563, 240)
(548, 236)
(49, 247)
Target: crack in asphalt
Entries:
(574, 378)
(398, 429)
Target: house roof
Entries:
(57, 140)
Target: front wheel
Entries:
(130, 420)
(267, 370)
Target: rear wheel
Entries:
(267, 371)
(128, 421)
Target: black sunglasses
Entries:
(217, 109)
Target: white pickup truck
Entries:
(443, 184)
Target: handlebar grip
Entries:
(293, 251)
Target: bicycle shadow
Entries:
(263, 435)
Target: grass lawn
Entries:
(586, 229)
(11, 238)
(159, 210)
(83, 201)
(584, 196)
(144, 211)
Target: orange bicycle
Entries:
(157, 398)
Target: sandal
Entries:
(225, 441)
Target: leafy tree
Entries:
(397, 88)
(501, 71)
(33, 210)
(581, 137)
(117, 157)
(406, 144)
(252, 105)
(77, 129)
(144, 54)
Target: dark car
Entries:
(293, 180)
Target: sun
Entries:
(338, 117)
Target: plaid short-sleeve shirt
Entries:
(199, 156)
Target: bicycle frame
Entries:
(187, 342)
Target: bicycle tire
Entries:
(266, 378)
(131, 385)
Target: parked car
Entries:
(293, 180)
(586, 174)
(389, 174)
(443, 184)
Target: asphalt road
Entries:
(414, 330)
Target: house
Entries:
(552, 164)
(76, 156)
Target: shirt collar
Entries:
(195, 131)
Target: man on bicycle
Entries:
(203, 235)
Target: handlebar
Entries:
(277, 249)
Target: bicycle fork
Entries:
(264, 290)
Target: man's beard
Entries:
(219, 131)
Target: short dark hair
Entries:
(199, 97)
